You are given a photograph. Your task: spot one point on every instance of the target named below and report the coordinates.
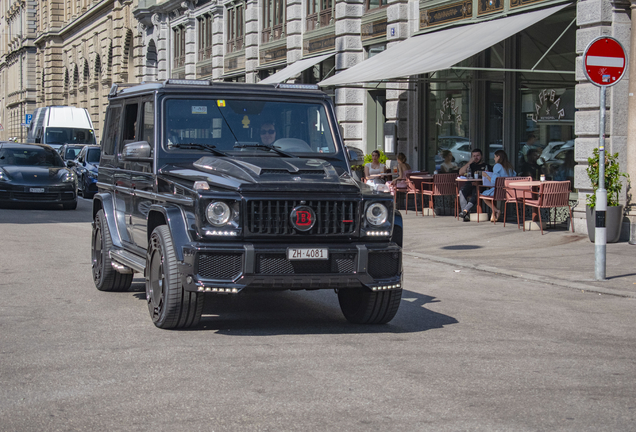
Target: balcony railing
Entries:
(319, 19)
(235, 44)
(273, 33)
(205, 53)
(179, 61)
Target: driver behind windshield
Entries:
(268, 133)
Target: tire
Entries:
(362, 306)
(70, 206)
(106, 278)
(170, 306)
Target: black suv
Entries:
(220, 188)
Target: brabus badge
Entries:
(303, 218)
(296, 179)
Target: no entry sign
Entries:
(604, 61)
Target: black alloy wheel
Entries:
(170, 306)
(106, 278)
(363, 306)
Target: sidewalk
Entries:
(559, 257)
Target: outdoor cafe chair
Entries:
(499, 195)
(408, 188)
(551, 194)
(511, 195)
(442, 185)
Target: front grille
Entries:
(5, 195)
(220, 265)
(383, 265)
(26, 196)
(272, 217)
(279, 264)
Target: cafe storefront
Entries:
(505, 83)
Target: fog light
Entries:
(189, 279)
(200, 289)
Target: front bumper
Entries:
(52, 194)
(230, 268)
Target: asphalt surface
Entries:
(471, 348)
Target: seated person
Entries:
(403, 170)
(448, 166)
(502, 168)
(268, 133)
(468, 193)
(530, 167)
(373, 170)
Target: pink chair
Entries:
(511, 195)
(442, 185)
(551, 194)
(499, 195)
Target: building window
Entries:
(179, 46)
(273, 20)
(319, 13)
(235, 26)
(374, 4)
(205, 37)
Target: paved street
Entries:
(470, 348)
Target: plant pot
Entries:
(613, 223)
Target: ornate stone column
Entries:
(630, 168)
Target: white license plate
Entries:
(307, 254)
(36, 190)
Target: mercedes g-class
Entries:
(212, 189)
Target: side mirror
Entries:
(137, 151)
(70, 163)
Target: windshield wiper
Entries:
(197, 146)
(264, 146)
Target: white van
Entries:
(58, 125)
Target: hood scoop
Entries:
(270, 166)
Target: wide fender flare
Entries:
(104, 201)
(176, 222)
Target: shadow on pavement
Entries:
(45, 213)
(305, 312)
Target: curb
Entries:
(526, 276)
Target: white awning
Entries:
(439, 50)
(294, 69)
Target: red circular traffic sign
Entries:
(604, 61)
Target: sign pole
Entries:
(604, 63)
(600, 231)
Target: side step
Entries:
(127, 262)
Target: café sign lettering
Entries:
(450, 113)
(548, 106)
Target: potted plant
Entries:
(357, 172)
(613, 185)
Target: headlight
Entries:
(69, 176)
(218, 213)
(377, 214)
(3, 175)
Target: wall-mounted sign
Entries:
(325, 43)
(231, 64)
(374, 29)
(446, 14)
(273, 55)
(489, 6)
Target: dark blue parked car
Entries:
(85, 166)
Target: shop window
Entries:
(319, 13)
(235, 26)
(273, 20)
(204, 36)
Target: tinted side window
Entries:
(111, 133)
(130, 123)
(148, 131)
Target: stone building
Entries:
(17, 66)
(59, 52)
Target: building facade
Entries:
(457, 75)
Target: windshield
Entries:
(234, 126)
(93, 156)
(62, 135)
(30, 157)
(71, 152)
